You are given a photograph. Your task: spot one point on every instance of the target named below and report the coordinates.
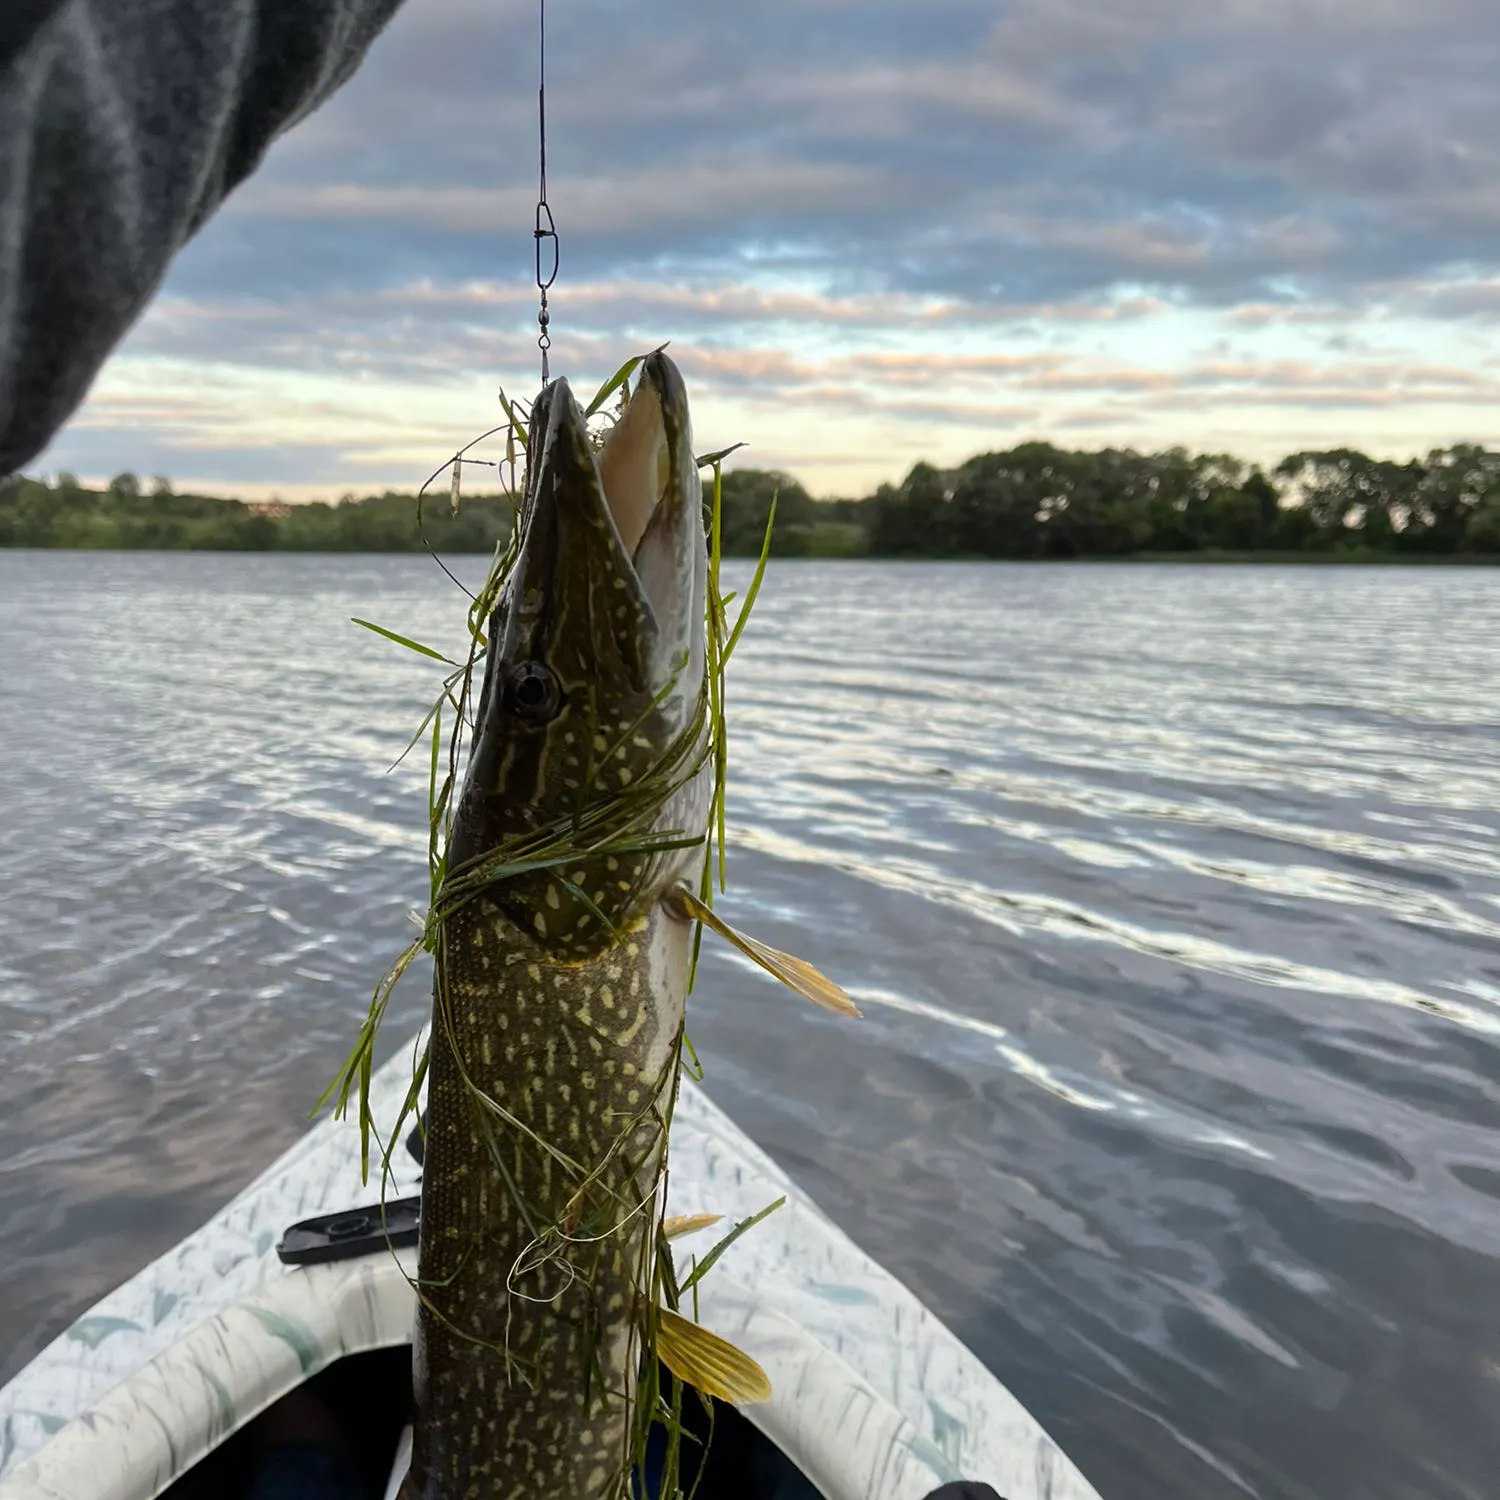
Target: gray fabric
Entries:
(123, 124)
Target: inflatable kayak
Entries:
(295, 1284)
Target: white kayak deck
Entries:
(874, 1398)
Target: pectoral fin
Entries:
(707, 1362)
(796, 973)
(688, 1224)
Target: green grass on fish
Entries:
(619, 828)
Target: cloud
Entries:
(649, 200)
(320, 470)
(937, 222)
(1478, 299)
(919, 149)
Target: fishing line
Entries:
(545, 230)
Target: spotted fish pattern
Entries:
(559, 992)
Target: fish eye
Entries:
(535, 694)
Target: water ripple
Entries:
(1171, 896)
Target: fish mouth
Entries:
(613, 543)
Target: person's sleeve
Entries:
(123, 124)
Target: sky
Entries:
(873, 233)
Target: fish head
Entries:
(591, 727)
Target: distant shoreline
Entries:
(1230, 559)
(1034, 502)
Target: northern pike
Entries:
(559, 987)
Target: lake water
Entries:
(1171, 895)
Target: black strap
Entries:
(352, 1232)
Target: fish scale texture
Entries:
(544, 1039)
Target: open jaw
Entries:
(635, 465)
(628, 517)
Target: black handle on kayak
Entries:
(355, 1231)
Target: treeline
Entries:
(1033, 501)
(128, 515)
(1038, 501)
